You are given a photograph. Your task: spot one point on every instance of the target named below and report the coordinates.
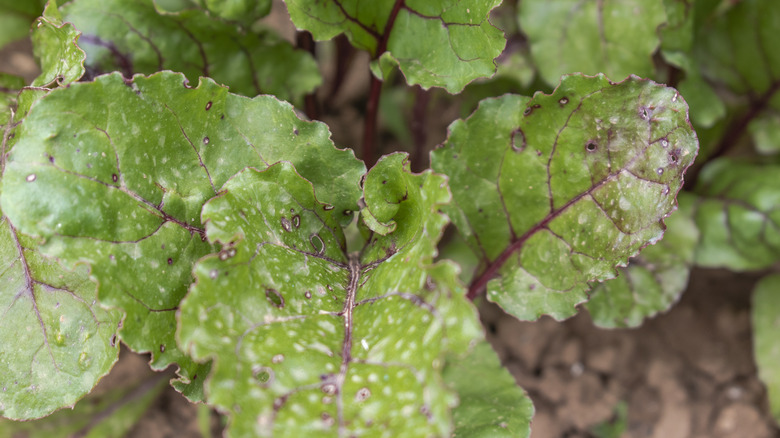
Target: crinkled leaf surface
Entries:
(16, 17)
(614, 37)
(142, 40)
(114, 174)
(308, 340)
(491, 403)
(55, 341)
(9, 88)
(55, 44)
(100, 414)
(766, 329)
(554, 192)
(738, 215)
(465, 41)
(654, 280)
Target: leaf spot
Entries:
(296, 221)
(328, 388)
(114, 177)
(530, 109)
(327, 207)
(327, 419)
(214, 274)
(279, 358)
(295, 131)
(563, 101)
(31, 177)
(286, 224)
(263, 375)
(206, 140)
(162, 348)
(660, 170)
(362, 394)
(274, 297)
(208, 105)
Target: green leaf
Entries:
(766, 329)
(614, 37)
(765, 130)
(308, 340)
(737, 215)
(143, 40)
(9, 89)
(654, 280)
(114, 174)
(391, 31)
(574, 184)
(243, 11)
(109, 413)
(55, 44)
(16, 17)
(491, 404)
(55, 342)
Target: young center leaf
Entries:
(114, 174)
(391, 30)
(308, 340)
(55, 44)
(616, 38)
(555, 191)
(141, 39)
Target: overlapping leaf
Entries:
(310, 341)
(491, 404)
(574, 184)
(108, 413)
(391, 30)
(766, 329)
(55, 341)
(242, 11)
(654, 280)
(114, 174)
(142, 40)
(614, 37)
(738, 215)
(55, 44)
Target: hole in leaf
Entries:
(274, 297)
(591, 146)
(296, 221)
(518, 140)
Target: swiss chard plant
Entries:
(162, 188)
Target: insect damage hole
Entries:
(591, 146)
(518, 140)
(264, 376)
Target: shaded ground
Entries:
(688, 373)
